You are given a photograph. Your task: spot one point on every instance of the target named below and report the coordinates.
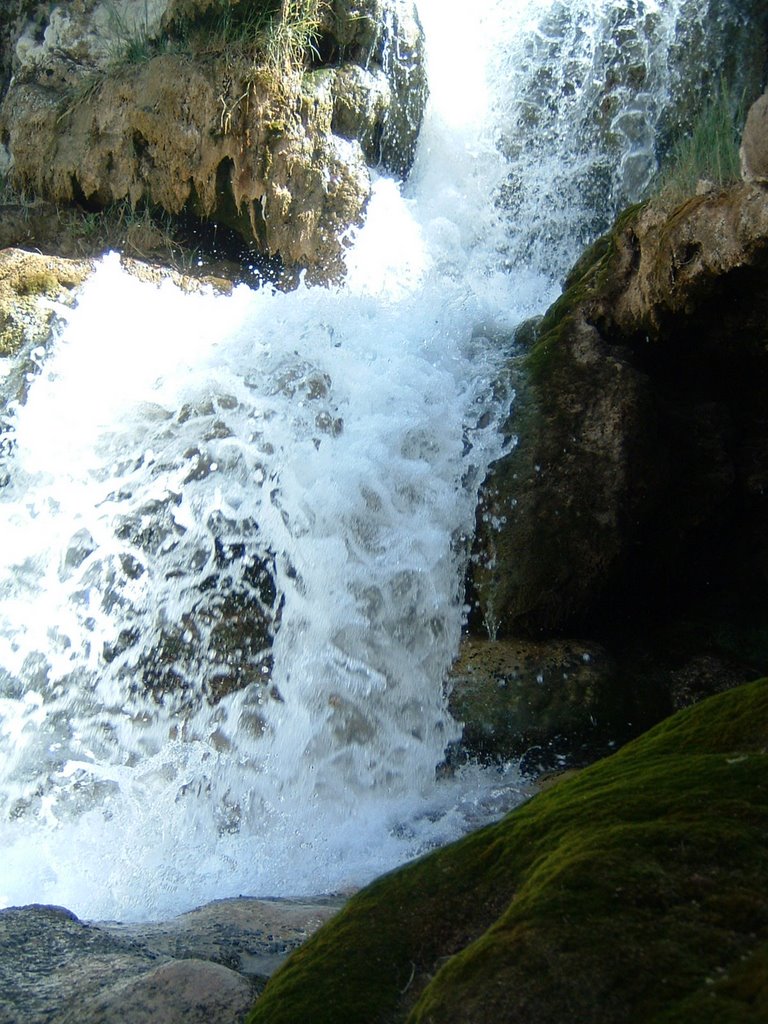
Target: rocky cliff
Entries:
(631, 509)
(257, 119)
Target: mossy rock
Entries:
(634, 891)
(29, 284)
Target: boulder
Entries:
(545, 703)
(180, 992)
(633, 488)
(754, 143)
(203, 965)
(632, 890)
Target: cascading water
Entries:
(235, 527)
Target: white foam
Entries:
(170, 441)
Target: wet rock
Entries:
(165, 108)
(604, 97)
(204, 965)
(547, 703)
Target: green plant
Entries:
(294, 35)
(710, 151)
(133, 43)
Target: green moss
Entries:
(40, 282)
(588, 277)
(617, 895)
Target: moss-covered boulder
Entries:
(634, 891)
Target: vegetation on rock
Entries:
(632, 891)
(243, 115)
(709, 153)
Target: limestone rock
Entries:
(30, 286)
(201, 966)
(180, 992)
(276, 155)
(640, 422)
(47, 954)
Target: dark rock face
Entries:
(638, 475)
(632, 891)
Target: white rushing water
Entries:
(185, 464)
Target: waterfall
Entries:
(235, 527)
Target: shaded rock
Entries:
(640, 424)
(631, 891)
(544, 702)
(702, 677)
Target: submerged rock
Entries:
(632, 891)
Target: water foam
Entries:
(310, 460)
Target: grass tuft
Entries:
(709, 152)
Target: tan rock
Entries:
(179, 992)
(30, 284)
(754, 143)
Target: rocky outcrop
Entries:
(206, 111)
(205, 965)
(640, 467)
(632, 891)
